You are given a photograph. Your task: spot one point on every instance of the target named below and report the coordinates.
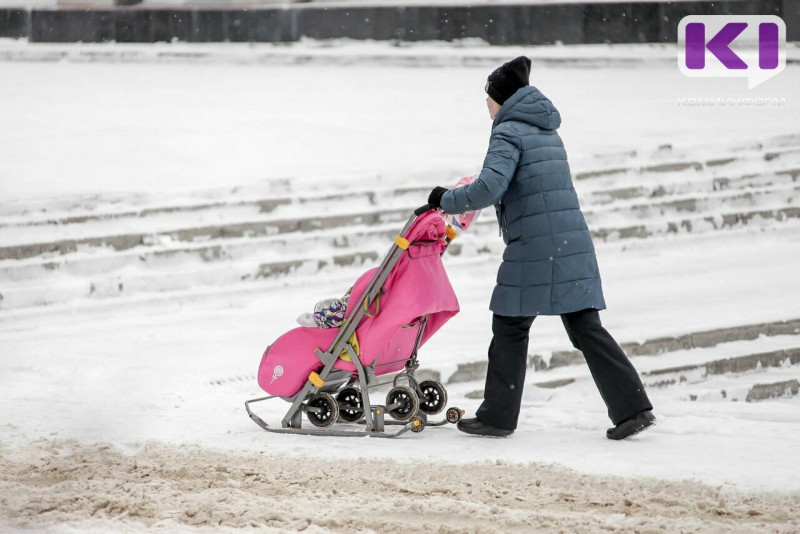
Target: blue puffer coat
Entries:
(549, 264)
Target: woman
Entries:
(549, 265)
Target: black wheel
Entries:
(419, 424)
(453, 415)
(434, 397)
(326, 410)
(351, 405)
(402, 403)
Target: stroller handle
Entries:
(423, 209)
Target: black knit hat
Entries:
(505, 80)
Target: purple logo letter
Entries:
(768, 43)
(718, 45)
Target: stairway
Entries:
(113, 247)
(62, 250)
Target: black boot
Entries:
(632, 426)
(476, 427)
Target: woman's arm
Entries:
(498, 170)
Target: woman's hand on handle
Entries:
(435, 198)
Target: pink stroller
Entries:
(394, 309)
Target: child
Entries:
(328, 313)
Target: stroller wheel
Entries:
(453, 415)
(434, 397)
(402, 403)
(324, 410)
(419, 424)
(351, 406)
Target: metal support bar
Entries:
(422, 325)
(363, 381)
(378, 413)
(296, 420)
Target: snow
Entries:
(188, 126)
(157, 372)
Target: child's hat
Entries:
(506, 79)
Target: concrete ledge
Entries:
(271, 270)
(755, 393)
(758, 392)
(565, 357)
(696, 340)
(550, 384)
(553, 384)
(746, 363)
(510, 24)
(467, 372)
(739, 364)
(789, 388)
(188, 235)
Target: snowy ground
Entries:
(125, 369)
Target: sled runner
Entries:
(329, 374)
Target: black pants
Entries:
(613, 373)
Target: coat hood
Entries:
(530, 106)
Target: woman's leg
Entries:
(614, 375)
(508, 361)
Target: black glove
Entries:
(435, 198)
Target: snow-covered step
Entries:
(707, 203)
(786, 388)
(657, 192)
(662, 346)
(171, 218)
(697, 372)
(191, 234)
(130, 243)
(166, 253)
(282, 253)
(693, 340)
(746, 362)
(677, 225)
(78, 216)
(136, 280)
(46, 226)
(660, 218)
(43, 232)
(765, 384)
(169, 251)
(769, 384)
(83, 221)
(674, 170)
(764, 217)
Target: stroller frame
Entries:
(330, 379)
